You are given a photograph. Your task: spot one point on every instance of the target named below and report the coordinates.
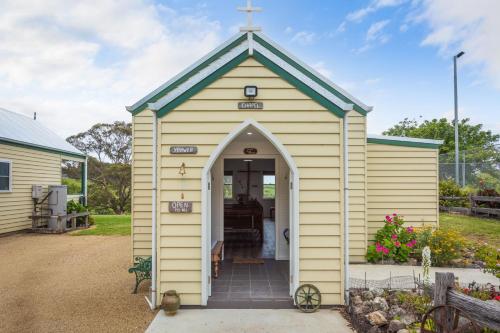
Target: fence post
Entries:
(444, 281)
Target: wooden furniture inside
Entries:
(217, 257)
(244, 218)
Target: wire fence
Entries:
(478, 168)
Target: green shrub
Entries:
(419, 304)
(73, 206)
(393, 241)
(448, 188)
(446, 245)
(491, 258)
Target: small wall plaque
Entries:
(250, 151)
(183, 150)
(180, 207)
(250, 105)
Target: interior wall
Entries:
(217, 208)
(282, 208)
(257, 168)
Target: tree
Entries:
(109, 147)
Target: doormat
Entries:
(240, 260)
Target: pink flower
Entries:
(385, 250)
(378, 247)
(397, 244)
(388, 218)
(394, 214)
(411, 243)
(409, 229)
(394, 236)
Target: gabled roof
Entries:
(404, 141)
(20, 130)
(233, 52)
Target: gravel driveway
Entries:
(63, 283)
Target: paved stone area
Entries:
(379, 272)
(250, 321)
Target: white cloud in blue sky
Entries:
(78, 63)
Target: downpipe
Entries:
(152, 301)
(346, 207)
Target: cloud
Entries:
(322, 69)
(374, 35)
(78, 64)
(375, 31)
(471, 26)
(304, 38)
(288, 30)
(360, 14)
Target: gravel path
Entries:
(63, 283)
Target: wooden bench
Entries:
(217, 256)
(142, 270)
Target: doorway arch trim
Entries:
(206, 204)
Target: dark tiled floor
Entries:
(244, 244)
(251, 286)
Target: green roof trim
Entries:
(403, 143)
(299, 85)
(309, 74)
(39, 148)
(202, 84)
(187, 76)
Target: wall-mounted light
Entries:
(251, 91)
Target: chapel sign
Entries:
(180, 207)
(250, 105)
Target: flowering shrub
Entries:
(393, 241)
(446, 245)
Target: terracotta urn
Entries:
(171, 302)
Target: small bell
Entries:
(182, 169)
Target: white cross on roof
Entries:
(249, 9)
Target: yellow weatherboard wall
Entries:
(309, 132)
(403, 180)
(29, 167)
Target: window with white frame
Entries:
(5, 176)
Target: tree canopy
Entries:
(471, 137)
(109, 172)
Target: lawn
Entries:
(107, 225)
(474, 228)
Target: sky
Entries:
(77, 63)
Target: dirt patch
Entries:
(62, 283)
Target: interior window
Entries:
(228, 185)
(269, 187)
(5, 175)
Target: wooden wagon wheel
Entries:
(307, 298)
(434, 322)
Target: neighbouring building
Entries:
(30, 154)
(251, 147)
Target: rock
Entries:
(395, 325)
(408, 318)
(358, 310)
(456, 262)
(367, 295)
(368, 306)
(404, 330)
(396, 311)
(357, 300)
(376, 318)
(375, 329)
(377, 292)
(380, 303)
(413, 262)
(478, 263)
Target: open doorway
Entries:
(250, 216)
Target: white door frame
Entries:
(206, 225)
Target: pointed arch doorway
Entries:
(286, 191)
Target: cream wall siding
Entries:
(141, 183)
(402, 180)
(309, 132)
(357, 187)
(29, 167)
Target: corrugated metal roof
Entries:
(20, 129)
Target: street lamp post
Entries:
(457, 157)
